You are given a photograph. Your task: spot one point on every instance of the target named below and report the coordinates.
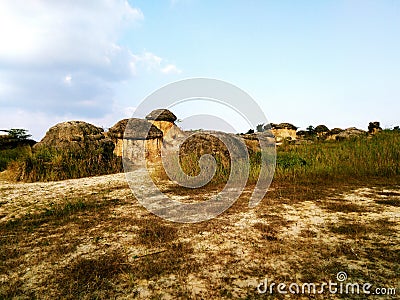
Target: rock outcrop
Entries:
(75, 136)
(333, 133)
(252, 140)
(282, 131)
(321, 131)
(134, 134)
(350, 133)
(164, 120)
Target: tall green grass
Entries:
(358, 158)
(374, 156)
(47, 164)
(7, 156)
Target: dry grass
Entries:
(104, 245)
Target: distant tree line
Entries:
(17, 134)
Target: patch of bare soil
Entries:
(90, 238)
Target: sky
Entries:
(305, 62)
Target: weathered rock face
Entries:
(134, 134)
(211, 142)
(332, 134)
(164, 120)
(349, 133)
(374, 127)
(161, 115)
(252, 140)
(76, 135)
(321, 131)
(283, 131)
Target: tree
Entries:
(260, 128)
(18, 134)
(250, 131)
(321, 129)
(310, 129)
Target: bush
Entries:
(47, 164)
(7, 156)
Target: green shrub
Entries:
(9, 155)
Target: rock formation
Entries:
(164, 120)
(350, 133)
(252, 140)
(332, 134)
(134, 134)
(321, 131)
(75, 136)
(283, 131)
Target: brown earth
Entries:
(90, 238)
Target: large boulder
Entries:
(138, 129)
(75, 136)
(350, 133)
(133, 135)
(161, 115)
(282, 131)
(164, 120)
(333, 133)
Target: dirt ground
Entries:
(90, 238)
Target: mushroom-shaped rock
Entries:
(283, 126)
(133, 135)
(164, 120)
(135, 129)
(161, 115)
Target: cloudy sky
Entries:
(305, 62)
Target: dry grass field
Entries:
(89, 238)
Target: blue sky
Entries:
(304, 62)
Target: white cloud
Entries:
(153, 63)
(68, 79)
(62, 59)
(171, 69)
(37, 123)
(41, 33)
(43, 41)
